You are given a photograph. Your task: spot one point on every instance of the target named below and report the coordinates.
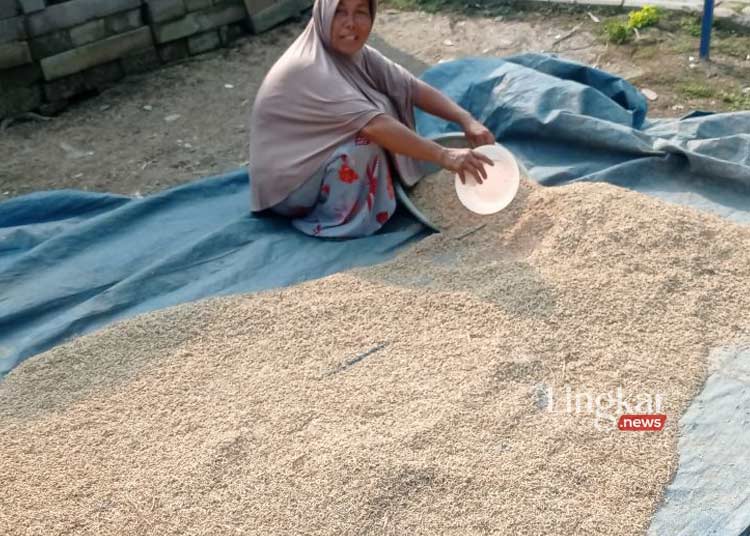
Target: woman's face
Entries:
(351, 26)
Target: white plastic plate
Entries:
(498, 190)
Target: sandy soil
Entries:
(120, 140)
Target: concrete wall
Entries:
(52, 50)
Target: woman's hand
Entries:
(463, 161)
(394, 136)
(477, 134)
(434, 102)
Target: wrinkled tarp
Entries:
(710, 494)
(568, 122)
(72, 262)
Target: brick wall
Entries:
(52, 50)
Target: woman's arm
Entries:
(396, 137)
(433, 102)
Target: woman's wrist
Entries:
(466, 120)
(442, 155)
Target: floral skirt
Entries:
(351, 196)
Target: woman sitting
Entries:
(330, 119)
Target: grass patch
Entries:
(691, 25)
(648, 52)
(732, 45)
(736, 100)
(696, 90)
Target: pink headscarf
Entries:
(314, 99)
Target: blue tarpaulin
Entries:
(72, 262)
(710, 495)
(568, 122)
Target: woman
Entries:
(331, 115)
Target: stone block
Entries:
(32, 6)
(141, 61)
(265, 14)
(99, 29)
(64, 88)
(203, 42)
(88, 32)
(16, 100)
(198, 22)
(93, 54)
(14, 54)
(94, 79)
(8, 8)
(75, 12)
(50, 44)
(12, 29)
(24, 75)
(256, 6)
(197, 5)
(614, 3)
(174, 51)
(721, 12)
(231, 33)
(103, 76)
(124, 22)
(164, 10)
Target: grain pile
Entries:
(265, 414)
(435, 197)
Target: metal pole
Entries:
(706, 23)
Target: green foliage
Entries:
(736, 100)
(692, 25)
(644, 17)
(617, 32)
(731, 45)
(620, 32)
(696, 90)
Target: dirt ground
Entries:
(189, 120)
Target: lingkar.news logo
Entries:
(610, 410)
